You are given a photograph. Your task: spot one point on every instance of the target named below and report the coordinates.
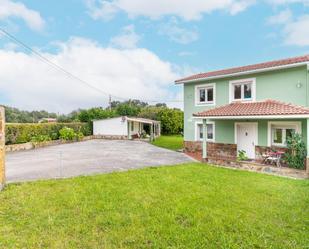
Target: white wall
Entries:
(136, 128)
(113, 126)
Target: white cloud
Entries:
(297, 32)
(281, 18)
(127, 39)
(178, 34)
(286, 2)
(9, 9)
(188, 10)
(28, 83)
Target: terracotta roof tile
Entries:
(233, 70)
(267, 107)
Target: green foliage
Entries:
(22, 133)
(14, 115)
(79, 136)
(150, 112)
(171, 121)
(295, 157)
(95, 113)
(67, 133)
(40, 138)
(125, 109)
(242, 156)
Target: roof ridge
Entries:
(260, 65)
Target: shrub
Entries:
(79, 136)
(67, 133)
(23, 133)
(295, 157)
(40, 138)
(242, 156)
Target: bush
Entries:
(23, 133)
(295, 157)
(67, 133)
(79, 136)
(40, 138)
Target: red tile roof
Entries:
(248, 68)
(262, 108)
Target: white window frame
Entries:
(242, 82)
(197, 95)
(213, 130)
(282, 125)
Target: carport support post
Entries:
(151, 133)
(2, 147)
(204, 139)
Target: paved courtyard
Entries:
(86, 158)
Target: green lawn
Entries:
(185, 206)
(169, 142)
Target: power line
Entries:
(69, 74)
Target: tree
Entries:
(95, 113)
(171, 121)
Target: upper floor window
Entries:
(242, 90)
(205, 94)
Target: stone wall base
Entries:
(214, 150)
(111, 137)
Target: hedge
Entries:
(23, 133)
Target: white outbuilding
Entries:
(126, 128)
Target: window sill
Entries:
(279, 145)
(205, 104)
(242, 100)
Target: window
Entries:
(132, 126)
(242, 90)
(205, 94)
(210, 131)
(281, 131)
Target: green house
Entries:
(251, 108)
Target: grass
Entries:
(185, 206)
(174, 142)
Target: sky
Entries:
(136, 49)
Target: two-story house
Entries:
(246, 108)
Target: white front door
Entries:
(246, 137)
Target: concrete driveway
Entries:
(86, 158)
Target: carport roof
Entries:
(135, 119)
(142, 120)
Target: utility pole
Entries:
(110, 102)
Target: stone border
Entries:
(31, 145)
(262, 168)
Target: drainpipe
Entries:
(2, 147)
